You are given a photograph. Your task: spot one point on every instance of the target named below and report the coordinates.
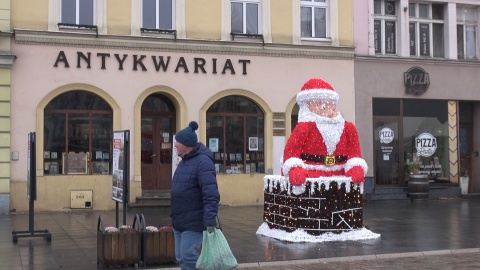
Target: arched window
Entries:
(77, 134)
(235, 134)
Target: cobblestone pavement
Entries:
(455, 259)
(461, 259)
(432, 234)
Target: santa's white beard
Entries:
(330, 128)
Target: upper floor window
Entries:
(385, 27)
(426, 29)
(245, 17)
(78, 12)
(158, 14)
(467, 33)
(314, 18)
(235, 134)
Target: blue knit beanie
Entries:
(187, 136)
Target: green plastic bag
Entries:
(216, 254)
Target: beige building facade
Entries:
(233, 66)
(6, 62)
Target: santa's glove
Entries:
(357, 174)
(297, 176)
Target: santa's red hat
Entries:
(316, 89)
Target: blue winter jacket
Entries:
(195, 195)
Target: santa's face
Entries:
(322, 108)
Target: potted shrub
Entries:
(413, 167)
(464, 179)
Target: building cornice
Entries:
(416, 60)
(149, 43)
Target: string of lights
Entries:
(328, 204)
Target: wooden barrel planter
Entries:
(117, 249)
(157, 247)
(418, 187)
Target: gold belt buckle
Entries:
(330, 160)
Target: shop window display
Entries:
(235, 134)
(423, 145)
(425, 134)
(77, 134)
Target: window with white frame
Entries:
(314, 18)
(158, 14)
(426, 29)
(245, 17)
(385, 26)
(77, 12)
(467, 32)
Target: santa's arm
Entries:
(355, 167)
(292, 164)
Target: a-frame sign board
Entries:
(31, 194)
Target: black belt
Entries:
(328, 160)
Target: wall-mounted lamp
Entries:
(405, 9)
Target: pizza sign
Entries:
(425, 144)
(386, 135)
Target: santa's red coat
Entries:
(307, 139)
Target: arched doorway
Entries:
(158, 125)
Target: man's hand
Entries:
(210, 229)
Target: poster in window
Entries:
(238, 157)
(166, 137)
(213, 144)
(260, 167)
(390, 40)
(413, 46)
(98, 155)
(240, 168)
(377, 35)
(46, 166)
(101, 167)
(46, 154)
(53, 155)
(424, 39)
(106, 155)
(253, 143)
(53, 168)
(74, 163)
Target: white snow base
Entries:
(300, 235)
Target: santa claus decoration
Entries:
(323, 143)
(319, 193)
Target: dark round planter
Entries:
(418, 187)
